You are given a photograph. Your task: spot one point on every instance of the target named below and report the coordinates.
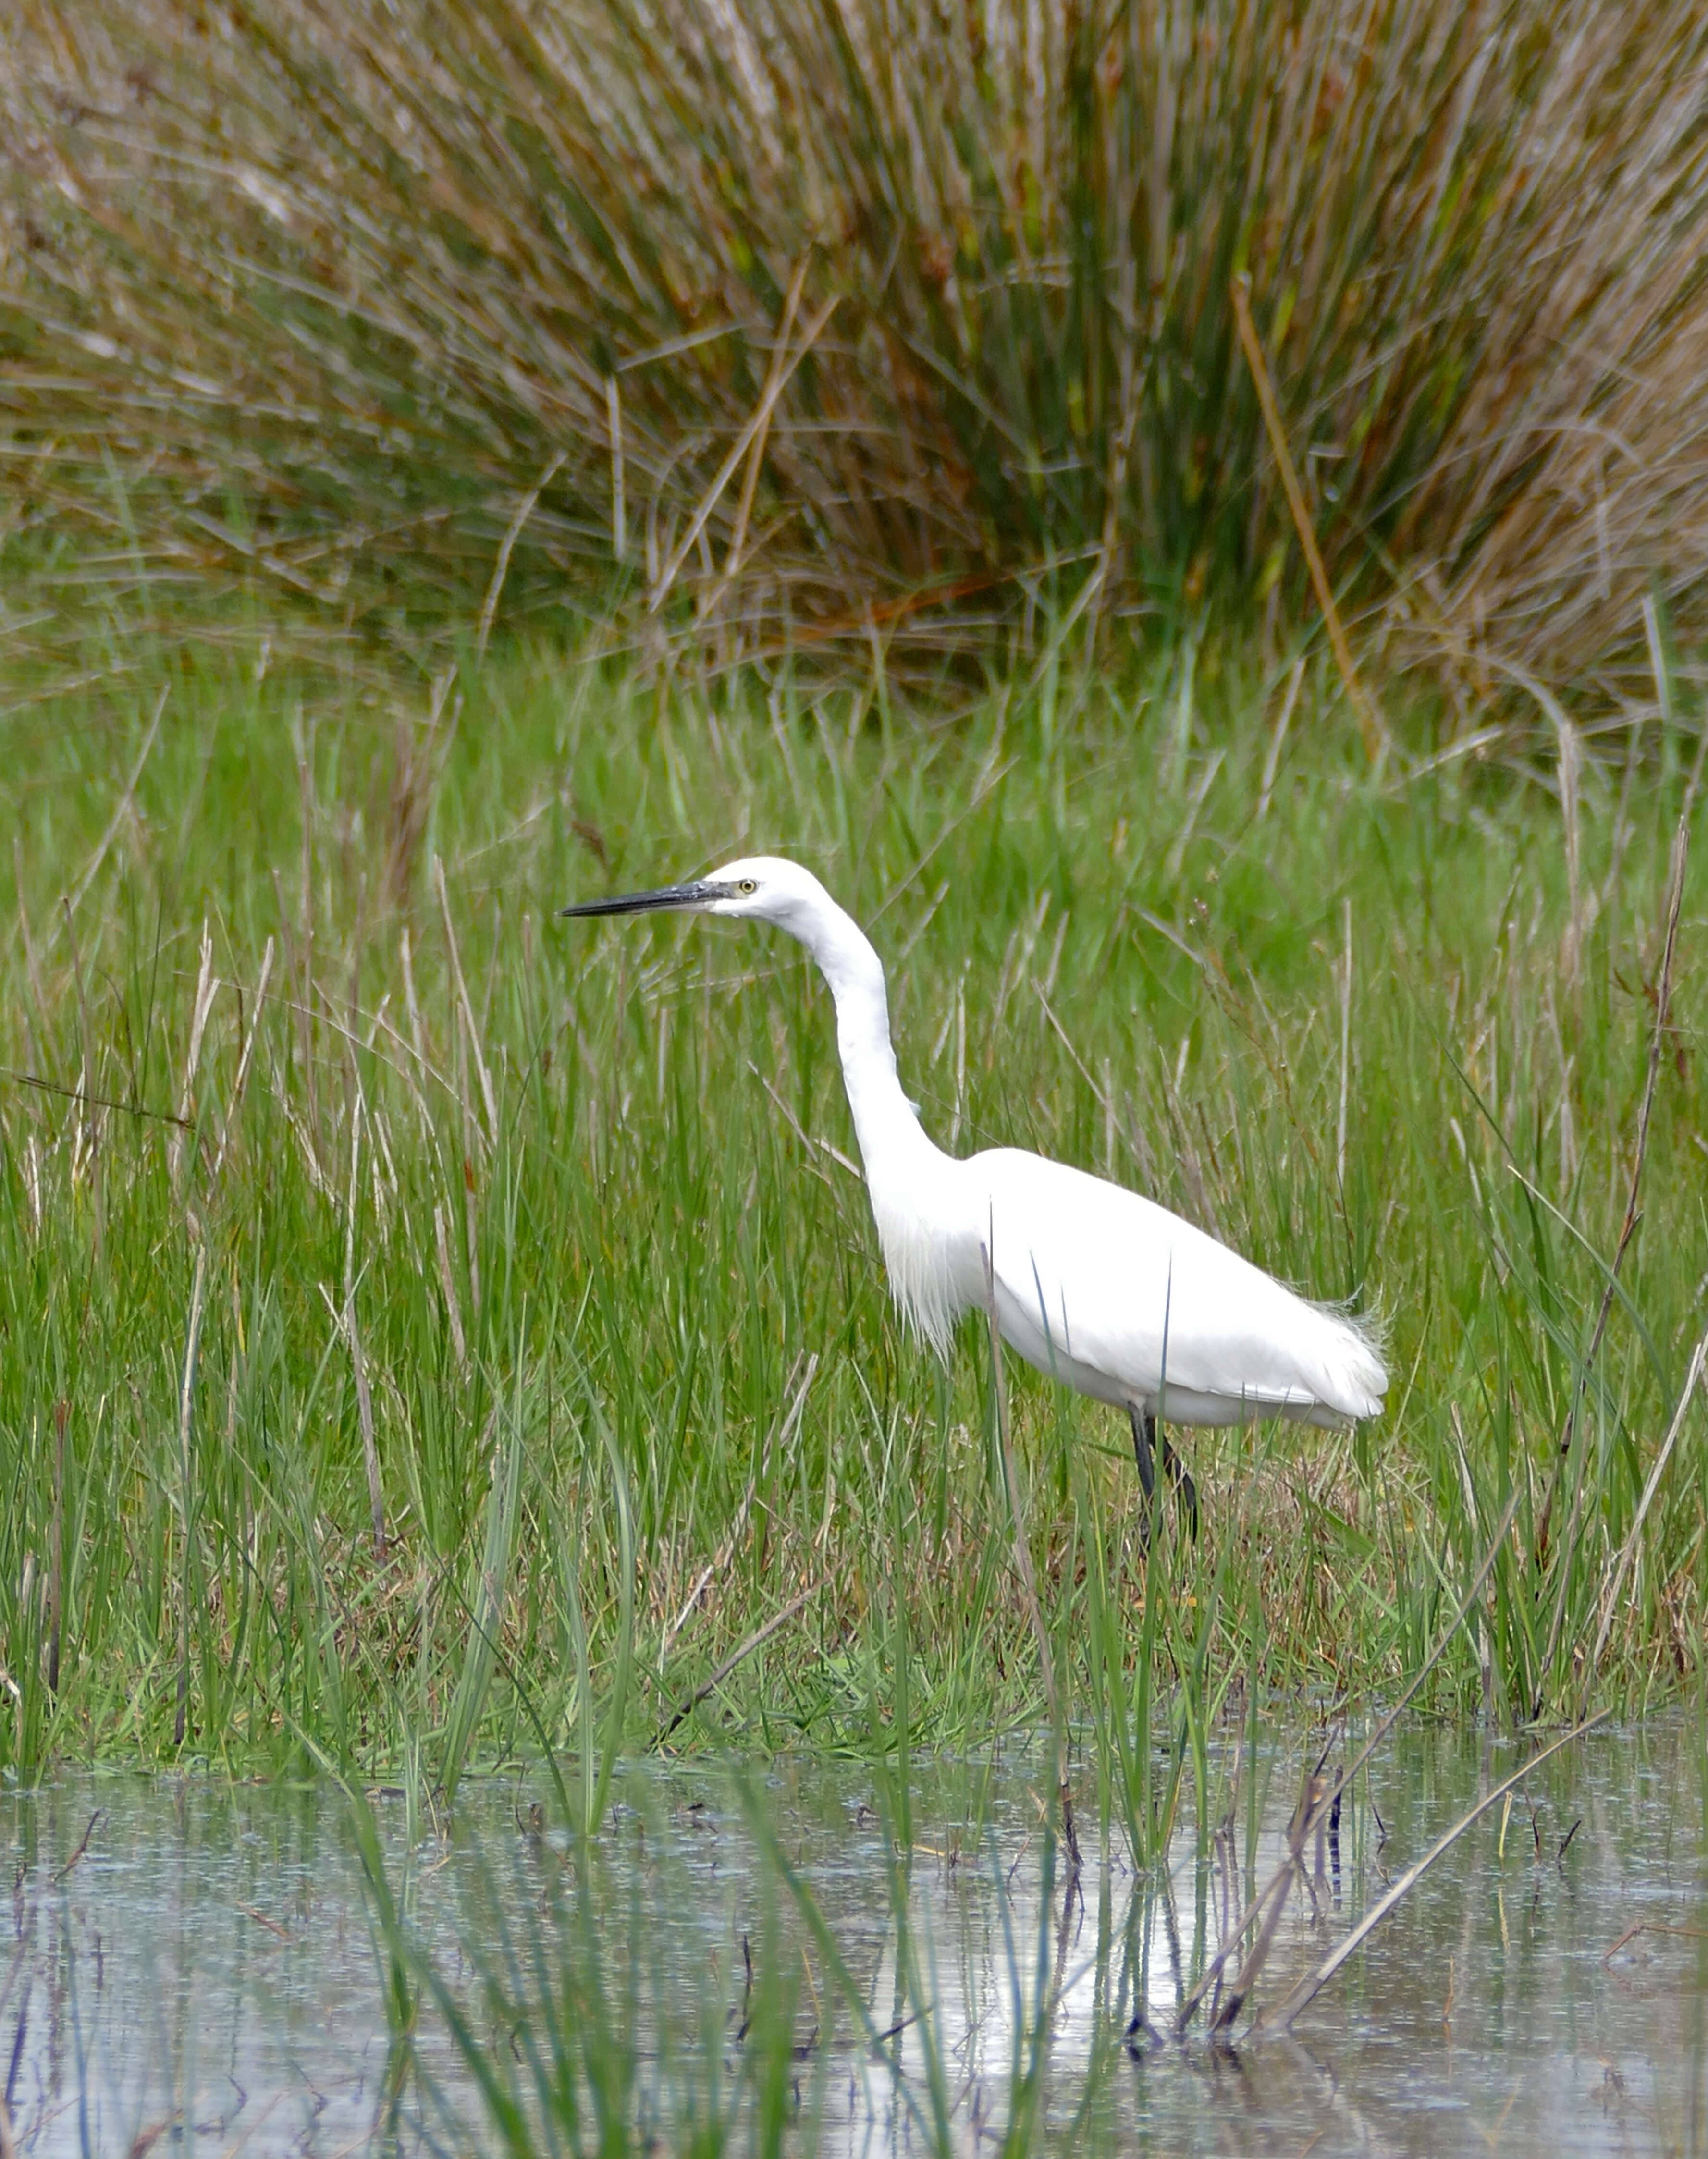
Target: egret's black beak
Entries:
(700, 893)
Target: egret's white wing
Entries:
(1107, 1286)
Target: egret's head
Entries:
(765, 887)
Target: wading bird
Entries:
(1101, 1289)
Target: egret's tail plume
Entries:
(1354, 1377)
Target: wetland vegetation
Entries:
(434, 1331)
(458, 460)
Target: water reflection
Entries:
(196, 1966)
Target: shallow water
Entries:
(204, 1973)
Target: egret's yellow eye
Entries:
(747, 884)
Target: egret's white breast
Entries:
(930, 1246)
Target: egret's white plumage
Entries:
(1110, 1294)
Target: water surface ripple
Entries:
(197, 1966)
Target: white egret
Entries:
(1104, 1290)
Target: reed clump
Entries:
(845, 323)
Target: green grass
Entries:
(583, 1191)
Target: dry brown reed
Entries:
(866, 321)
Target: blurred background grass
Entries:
(753, 328)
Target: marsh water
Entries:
(817, 1957)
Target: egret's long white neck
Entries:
(913, 1185)
(891, 1142)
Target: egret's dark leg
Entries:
(1144, 1448)
(1182, 1476)
(1145, 1451)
